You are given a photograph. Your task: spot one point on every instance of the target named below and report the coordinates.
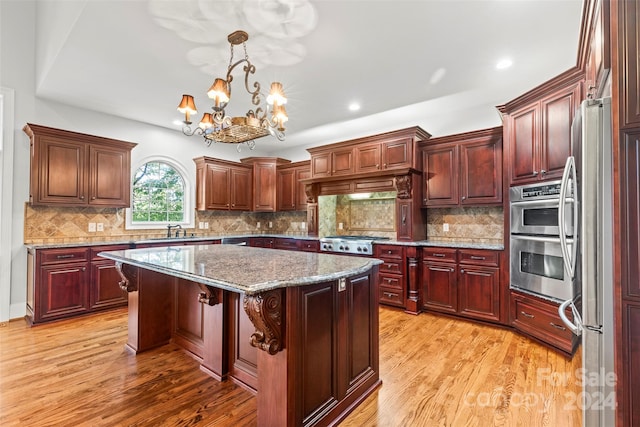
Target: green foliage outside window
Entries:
(158, 194)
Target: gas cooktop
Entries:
(360, 245)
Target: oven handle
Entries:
(569, 259)
(544, 239)
(576, 325)
(543, 202)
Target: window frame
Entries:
(187, 202)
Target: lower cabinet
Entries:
(465, 282)
(392, 283)
(66, 282)
(539, 319)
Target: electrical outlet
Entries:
(303, 225)
(258, 224)
(100, 226)
(206, 225)
(200, 225)
(340, 226)
(270, 224)
(92, 227)
(445, 227)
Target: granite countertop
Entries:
(244, 269)
(460, 244)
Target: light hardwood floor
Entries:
(436, 371)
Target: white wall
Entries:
(17, 71)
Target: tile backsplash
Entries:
(373, 215)
(482, 224)
(53, 225)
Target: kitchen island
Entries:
(299, 329)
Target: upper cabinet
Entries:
(463, 169)
(391, 151)
(264, 182)
(538, 129)
(597, 58)
(222, 185)
(75, 169)
(291, 194)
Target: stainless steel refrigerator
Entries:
(592, 262)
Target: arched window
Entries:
(159, 196)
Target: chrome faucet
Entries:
(178, 227)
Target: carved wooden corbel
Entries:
(403, 186)
(209, 295)
(130, 283)
(266, 312)
(312, 190)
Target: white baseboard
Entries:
(18, 311)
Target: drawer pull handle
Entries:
(439, 255)
(389, 295)
(389, 252)
(65, 256)
(562, 328)
(480, 258)
(525, 314)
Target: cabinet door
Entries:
(440, 176)
(342, 162)
(481, 172)
(321, 165)
(240, 196)
(264, 187)
(301, 194)
(397, 154)
(439, 287)
(555, 146)
(63, 291)
(109, 177)
(287, 190)
(105, 290)
(479, 292)
(524, 134)
(189, 325)
(368, 158)
(62, 173)
(218, 183)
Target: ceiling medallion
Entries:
(217, 126)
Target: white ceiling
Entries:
(429, 63)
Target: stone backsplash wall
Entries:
(54, 225)
(348, 215)
(482, 224)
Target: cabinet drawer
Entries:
(542, 323)
(95, 250)
(391, 296)
(56, 256)
(389, 252)
(439, 254)
(309, 245)
(287, 244)
(391, 280)
(479, 257)
(392, 267)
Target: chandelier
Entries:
(217, 126)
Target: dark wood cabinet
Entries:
(105, 291)
(386, 155)
(337, 162)
(479, 284)
(392, 282)
(74, 169)
(463, 169)
(539, 319)
(66, 282)
(464, 282)
(262, 242)
(222, 185)
(291, 195)
(538, 129)
(598, 61)
(265, 179)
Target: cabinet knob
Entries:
(377, 166)
(84, 269)
(81, 197)
(464, 197)
(462, 271)
(93, 198)
(535, 173)
(233, 205)
(543, 171)
(384, 165)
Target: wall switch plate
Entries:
(303, 225)
(100, 226)
(445, 227)
(340, 226)
(201, 225)
(92, 227)
(270, 224)
(206, 225)
(258, 224)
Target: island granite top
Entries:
(244, 269)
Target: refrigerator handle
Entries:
(568, 259)
(576, 325)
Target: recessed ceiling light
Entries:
(504, 63)
(354, 106)
(177, 122)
